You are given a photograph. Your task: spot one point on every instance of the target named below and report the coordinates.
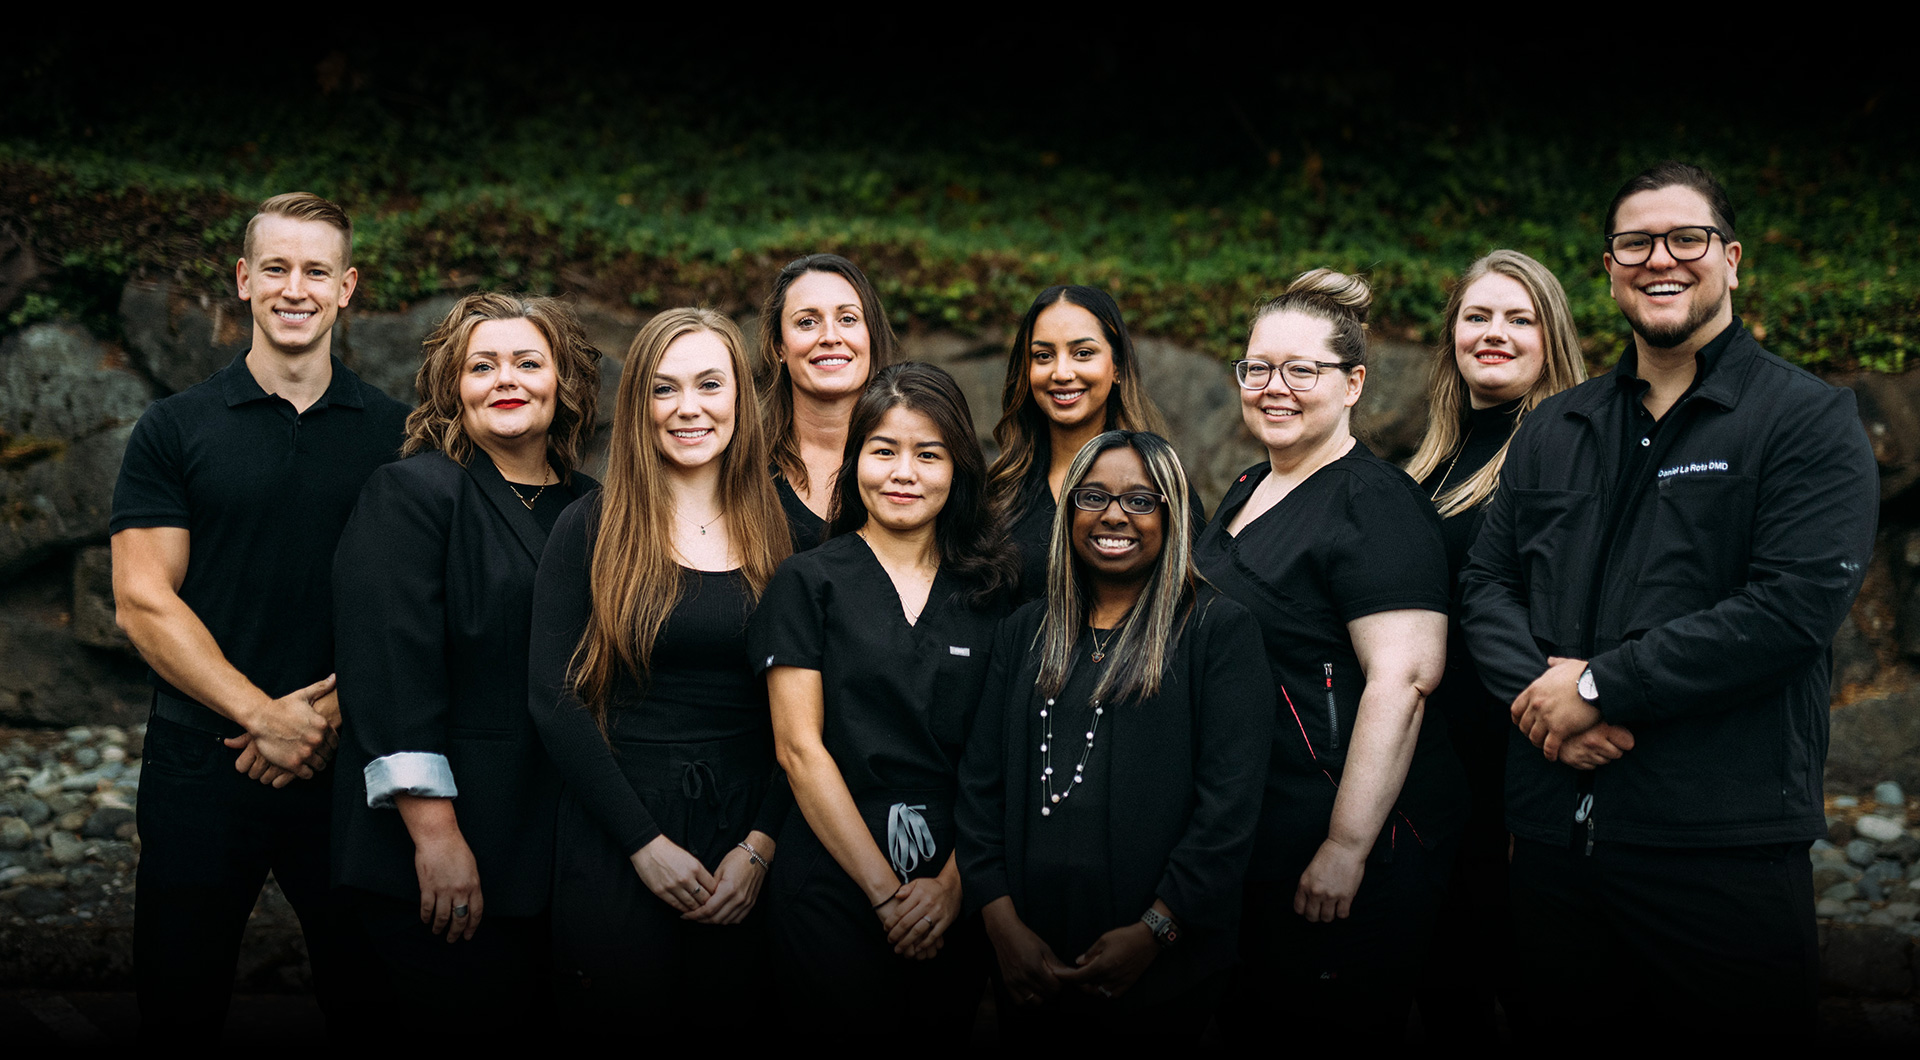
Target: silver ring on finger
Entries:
(459, 912)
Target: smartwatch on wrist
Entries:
(1165, 931)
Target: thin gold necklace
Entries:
(529, 501)
(1453, 464)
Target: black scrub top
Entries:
(899, 698)
(1031, 528)
(805, 528)
(1355, 539)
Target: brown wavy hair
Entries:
(435, 423)
(634, 579)
(776, 387)
(1022, 433)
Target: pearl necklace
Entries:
(1046, 754)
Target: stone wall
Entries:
(70, 401)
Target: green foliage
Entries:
(656, 213)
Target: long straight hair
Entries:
(1449, 401)
(971, 537)
(1022, 433)
(634, 579)
(1143, 647)
(776, 385)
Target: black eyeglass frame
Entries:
(1107, 499)
(1661, 237)
(1240, 373)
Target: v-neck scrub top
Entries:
(1356, 538)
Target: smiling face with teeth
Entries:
(1070, 368)
(823, 337)
(1295, 424)
(1673, 305)
(296, 283)
(694, 400)
(1498, 343)
(1114, 546)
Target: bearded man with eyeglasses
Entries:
(1660, 576)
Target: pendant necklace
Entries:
(1454, 463)
(1099, 649)
(703, 526)
(1046, 749)
(528, 501)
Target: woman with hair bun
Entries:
(875, 646)
(1508, 343)
(1071, 374)
(1109, 868)
(1339, 557)
(823, 335)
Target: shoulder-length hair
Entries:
(776, 387)
(971, 537)
(1143, 647)
(634, 579)
(435, 423)
(1022, 433)
(1448, 400)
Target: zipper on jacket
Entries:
(1333, 713)
(1584, 815)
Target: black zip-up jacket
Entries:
(1705, 594)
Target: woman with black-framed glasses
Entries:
(1114, 772)
(1339, 557)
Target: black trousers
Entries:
(1341, 985)
(208, 838)
(1072, 1020)
(411, 987)
(1689, 944)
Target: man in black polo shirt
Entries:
(1661, 572)
(231, 499)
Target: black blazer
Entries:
(433, 590)
(1190, 766)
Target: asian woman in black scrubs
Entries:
(1071, 375)
(823, 334)
(875, 647)
(1339, 556)
(1114, 775)
(1508, 343)
(641, 689)
(443, 814)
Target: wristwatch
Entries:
(1588, 690)
(1165, 931)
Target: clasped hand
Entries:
(724, 896)
(918, 915)
(1567, 728)
(296, 735)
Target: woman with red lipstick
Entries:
(444, 803)
(1071, 375)
(642, 693)
(1508, 343)
(1114, 774)
(875, 646)
(1339, 557)
(823, 334)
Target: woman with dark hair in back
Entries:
(1114, 774)
(1339, 556)
(875, 646)
(823, 335)
(642, 692)
(1508, 343)
(1071, 374)
(443, 811)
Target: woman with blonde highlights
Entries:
(1109, 868)
(823, 334)
(1508, 343)
(642, 692)
(443, 816)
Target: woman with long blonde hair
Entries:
(1508, 343)
(640, 686)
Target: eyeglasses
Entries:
(1093, 500)
(1685, 244)
(1298, 375)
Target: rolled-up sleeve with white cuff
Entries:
(420, 773)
